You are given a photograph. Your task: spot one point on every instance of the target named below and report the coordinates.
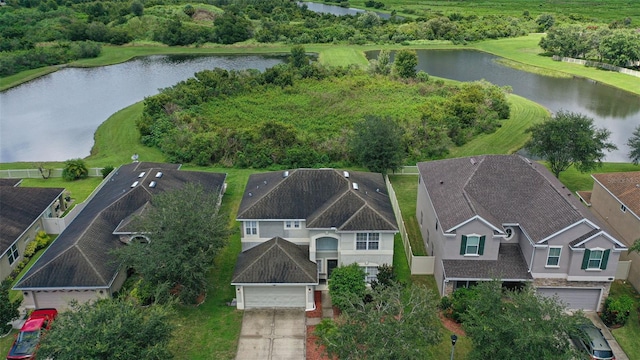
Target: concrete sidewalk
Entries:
(272, 334)
(617, 350)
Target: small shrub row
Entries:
(41, 241)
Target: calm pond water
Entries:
(53, 118)
(338, 10)
(611, 108)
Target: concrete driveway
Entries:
(272, 334)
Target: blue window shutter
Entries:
(463, 245)
(605, 259)
(585, 259)
(481, 247)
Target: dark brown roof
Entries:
(509, 266)
(81, 255)
(625, 186)
(19, 208)
(585, 196)
(325, 198)
(276, 261)
(501, 189)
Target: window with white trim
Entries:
(13, 254)
(371, 273)
(367, 241)
(472, 245)
(595, 259)
(553, 256)
(250, 228)
(295, 224)
(623, 208)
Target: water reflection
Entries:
(53, 118)
(611, 108)
(339, 10)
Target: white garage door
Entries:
(274, 296)
(585, 299)
(60, 299)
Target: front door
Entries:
(331, 264)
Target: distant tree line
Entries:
(174, 120)
(620, 47)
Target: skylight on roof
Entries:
(355, 186)
(141, 174)
(152, 184)
(135, 183)
(345, 174)
(159, 174)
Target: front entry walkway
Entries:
(272, 334)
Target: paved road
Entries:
(272, 334)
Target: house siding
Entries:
(26, 237)
(491, 245)
(608, 207)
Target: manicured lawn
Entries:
(79, 189)
(406, 188)
(511, 136)
(5, 342)
(211, 330)
(575, 180)
(628, 336)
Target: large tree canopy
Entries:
(569, 139)
(185, 232)
(109, 329)
(391, 323)
(8, 309)
(504, 324)
(378, 144)
(634, 144)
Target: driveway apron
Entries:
(272, 334)
(617, 350)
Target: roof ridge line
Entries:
(258, 199)
(90, 263)
(366, 204)
(293, 259)
(329, 205)
(258, 257)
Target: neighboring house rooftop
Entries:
(10, 182)
(324, 198)
(81, 255)
(19, 208)
(625, 186)
(501, 189)
(509, 266)
(276, 261)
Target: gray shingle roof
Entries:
(276, 261)
(501, 189)
(19, 208)
(10, 182)
(80, 256)
(325, 198)
(509, 266)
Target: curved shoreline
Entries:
(523, 50)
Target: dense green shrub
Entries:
(617, 310)
(74, 169)
(347, 283)
(42, 240)
(30, 249)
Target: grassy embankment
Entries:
(594, 10)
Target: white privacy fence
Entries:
(36, 174)
(598, 65)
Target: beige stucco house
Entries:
(615, 199)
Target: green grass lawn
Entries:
(574, 180)
(79, 189)
(406, 188)
(628, 336)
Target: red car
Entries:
(28, 339)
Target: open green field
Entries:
(587, 10)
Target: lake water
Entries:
(611, 108)
(339, 10)
(54, 117)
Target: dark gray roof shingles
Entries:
(80, 256)
(325, 198)
(276, 261)
(19, 208)
(509, 266)
(501, 189)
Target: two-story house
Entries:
(298, 225)
(79, 264)
(615, 199)
(22, 210)
(506, 217)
